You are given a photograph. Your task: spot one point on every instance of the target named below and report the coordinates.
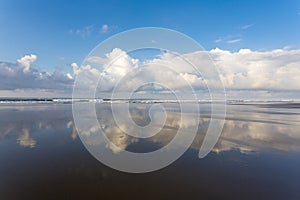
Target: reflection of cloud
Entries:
(251, 136)
(69, 124)
(247, 133)
(25, 139)
(20, 122)
(260, 129)
(119, 139)
(74, 133)
(247, 128)
(90, 131)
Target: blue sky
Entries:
(62, 32)
(43, 43)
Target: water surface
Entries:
(257, 156)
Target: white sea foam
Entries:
(143, 101)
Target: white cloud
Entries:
(218, 40)
(233, 41)
(75, 68)
(169, 70)
(287, 47)
(229, 39)
(83, 32)
(69, 76)
(245, 69)
(91, 29)
(104, 28)
(21, 76)
(26, 62)
(246, 26)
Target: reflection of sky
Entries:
(26, 123)
(60, 167)
(255, 128)
(248, 128)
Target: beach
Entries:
(256, 157)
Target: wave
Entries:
(143, 101)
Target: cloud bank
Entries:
(245, 69)
(277, 69)
(21, 76)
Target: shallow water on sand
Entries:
(256, 157)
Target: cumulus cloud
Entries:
(21, 75)
(26, 62)
(119, 69)
(246, 69)
(243, 70)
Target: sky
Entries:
(49, 37)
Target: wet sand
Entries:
(256, 157)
